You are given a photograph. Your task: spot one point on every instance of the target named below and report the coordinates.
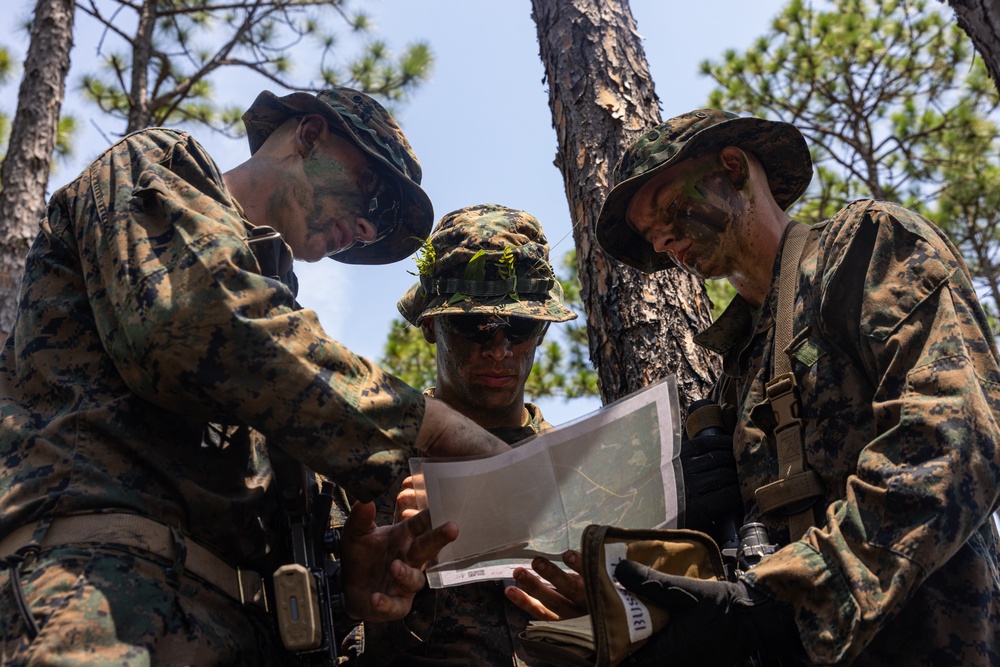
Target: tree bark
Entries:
(641, 326)
(980, 19)
(25, 170)
(139, 114)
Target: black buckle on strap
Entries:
(271, 252)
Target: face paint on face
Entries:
(285, 209)
(323, 206)
(338, 196)
(483, 381)
(690, 212)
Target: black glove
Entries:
(711, 622)
(712, 499)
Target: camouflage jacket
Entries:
(142, 319)
(463, 626)
(899, 395)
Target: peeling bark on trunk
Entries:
(25, 170)
(641, 326)
(980, 19)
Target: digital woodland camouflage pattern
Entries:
(464, 626)
(899, 392)
(779, 146)
(143, 319)
(112, 607)
(472, 625)
(370, 127)
(489, 229)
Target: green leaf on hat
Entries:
(425, 258)
(505, 267)
(476, 269)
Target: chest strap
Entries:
(797, 487)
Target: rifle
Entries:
(307, 590)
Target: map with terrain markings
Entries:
(615, 466)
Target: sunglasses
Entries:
(383, 207)
(482, 328)
(384, 201)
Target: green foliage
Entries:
(894, 105)
(191, 40)
(475, 271)
(7, 65)
(721, 292)
(408, 356)
(426, 257)
(968, 209)
(505, 265)
(66, 132)
(874, 85)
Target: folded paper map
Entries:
(616, 466)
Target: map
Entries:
(616, 466)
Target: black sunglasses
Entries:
(482, 328)
(385, 200)
(383, 206)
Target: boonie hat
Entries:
(373, 131)
(486, 259)
(779, 146)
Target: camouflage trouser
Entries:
(111, 607)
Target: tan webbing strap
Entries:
(706, 416)
(139, 532)
(795, 484)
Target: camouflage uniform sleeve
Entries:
(193, 328)
(929, 476)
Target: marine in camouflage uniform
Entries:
(899, 396)
(149, 357)
(474, 624)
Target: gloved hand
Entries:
(711, 622)
(712, 499)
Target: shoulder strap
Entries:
(797, 487)
(788, 287)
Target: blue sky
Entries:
(481, 126)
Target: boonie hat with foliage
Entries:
(486, 259)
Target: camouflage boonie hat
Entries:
(486, 259)
(779, 146)
(376, 134)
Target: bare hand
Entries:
(406, 501)
(383, 565)
(563, 597)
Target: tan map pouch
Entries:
(619, 622)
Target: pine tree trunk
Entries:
(139, 115)
(25, 170)
(641, 325)
(980, 19)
